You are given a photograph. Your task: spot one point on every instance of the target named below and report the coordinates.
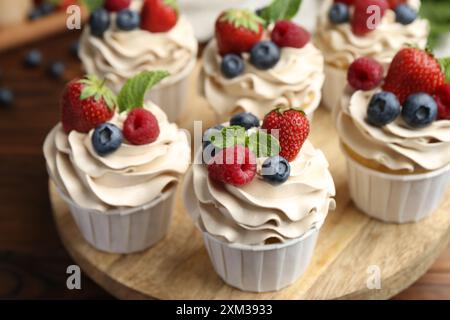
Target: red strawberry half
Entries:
(293, 130)
(159, 15)
(85, 104)
(411, 71)
(238, 31)
(366, 20)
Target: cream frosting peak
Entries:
(258, 211)
(395, 145)
(341, 46)
(295, 81)
(131, 176)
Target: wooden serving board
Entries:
(349, 244)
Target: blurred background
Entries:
(38, 55)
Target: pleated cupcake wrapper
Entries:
(333, 87)
(261, 268)
(124, 231)
(396, 198)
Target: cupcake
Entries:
(14, 13)
(142, 36)
(258, 200)
(252, 69)
(347, 30)
(116, 165)
(396, 139)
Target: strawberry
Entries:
(442, 98)
(411, 71)
(364, 20)
(85, 104)
(159, 15)
(238, 31)
(293, 129)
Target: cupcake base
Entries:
(261, 268)
(393, 197)
(124, 231)
(333, 87)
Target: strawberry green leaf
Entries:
(445, 65)
(133, 92)
(242, 18)
(280, 10)
(97, 89)
(263, 144)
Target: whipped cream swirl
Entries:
(296, 81)
(341, 46)
(395, 146)
(119, 55)
(131, 176)
(258, 212)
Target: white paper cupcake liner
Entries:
(261, 268)
(124, 230)
(396, 198)
(333, 87)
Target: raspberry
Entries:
(141, 127)
(234, 165)
(363, 22)
(347, 2)
(365, 74)
(442, 98)
(289, 34)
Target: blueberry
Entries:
(56, 69)
(246, 120)
(265, 55)
(106, 139)
(35, 14)
(384, 108)
(46, 8)
(74, 48)
(6, 97)
(128, 20)
(339, 13)
(99, 22)
(419, 110)
(232, 66)
(404, 14)
(276, 170)
(33, 58)
(210, 135)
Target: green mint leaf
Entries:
(263, 144)
(93, 5)
(445, 65)
(229, 137)
(133, 92)
(280, 10)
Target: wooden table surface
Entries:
(33, 261)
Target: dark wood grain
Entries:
(33, 261)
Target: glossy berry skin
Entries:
(141, 127)
(99, 22)
(265, 55)
(232, 66)
(347, 2)
(442, 98)
(276, 170)
(234, 165)
(106, 139)
(394, 3)
(419, 110)
(362, 16)
(128, 20)
(209, 151)
(246, 120)
(6, 97)
(383, 109)
(33, 59)
(117, 5)
(292, 127)
(159, 15)
(289, 34)
(365, 74)
(404, 14)
(339, 13)
(233, 39)
(56, 69)
(413, 70)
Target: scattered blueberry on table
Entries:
(56, 69)
(6, 97)
(33, 59)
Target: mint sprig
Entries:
(263, 144)
(280, 10)
(133, 92)
(445, 65)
